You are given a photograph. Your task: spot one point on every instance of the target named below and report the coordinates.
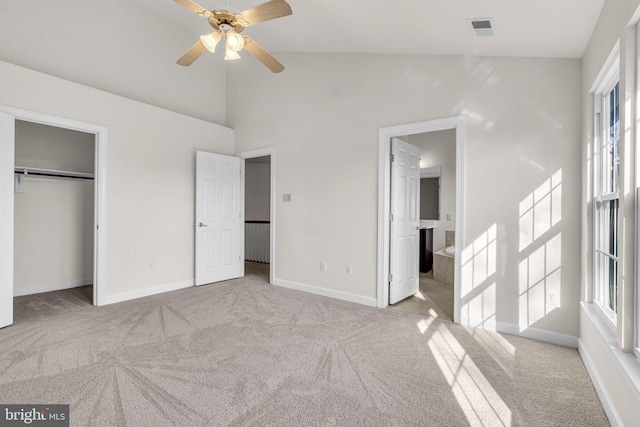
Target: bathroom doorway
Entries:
(441, 146)
(437, 225)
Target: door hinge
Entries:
(390, 217)
(390, 277)
(392, 158)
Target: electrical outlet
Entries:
(150, 265)
(448, 217)
(323, 266)
(349, 270)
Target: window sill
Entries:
(626, 362)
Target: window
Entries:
(606, 201)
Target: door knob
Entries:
(202, 225)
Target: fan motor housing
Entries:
(218, 18)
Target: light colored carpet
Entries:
(433, 299)
(246, 353)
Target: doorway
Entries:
(437, 225)
(8, 117)
(53, 209)
(407, 132)
(259, 213)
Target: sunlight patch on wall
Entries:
(479, 260)
(541, 210)
(540, 282)
(480, 311)
(479, 401)
(477, 284)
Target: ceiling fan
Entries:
(229, 23)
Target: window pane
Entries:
(610, 149)
(612, 296)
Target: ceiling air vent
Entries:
(482, 27)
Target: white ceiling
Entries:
(542, 28)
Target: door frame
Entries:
(269, 151)
(100, 195)
(384, 200)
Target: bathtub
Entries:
(443, 266)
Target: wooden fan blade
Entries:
(270, 10)
(194, 7)
(192, 54)
(262, 55)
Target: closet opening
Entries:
(54, 216)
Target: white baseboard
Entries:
(604, 396)
(532, 333)
(139, 293)
(18, 292)
(331, 293)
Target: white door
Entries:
(7, 144)
(218, 217)
(405, 221)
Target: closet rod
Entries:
(51, 173)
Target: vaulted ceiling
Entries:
(543, 28)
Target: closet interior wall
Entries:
(53, 216)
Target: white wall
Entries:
(257, 191)
(151, 170)
(118, 46)
(522, 128)
(53, 218)
(438, 149)
(615, 373)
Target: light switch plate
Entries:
(286, 197)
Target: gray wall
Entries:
(522, 129)
(118, 46)
(150, 188)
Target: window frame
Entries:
(636, 169)
(600, 197)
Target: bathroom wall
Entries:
(438, 149)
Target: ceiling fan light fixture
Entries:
(228, 23)
(231, 55)
(235, 41)
(211, 40)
